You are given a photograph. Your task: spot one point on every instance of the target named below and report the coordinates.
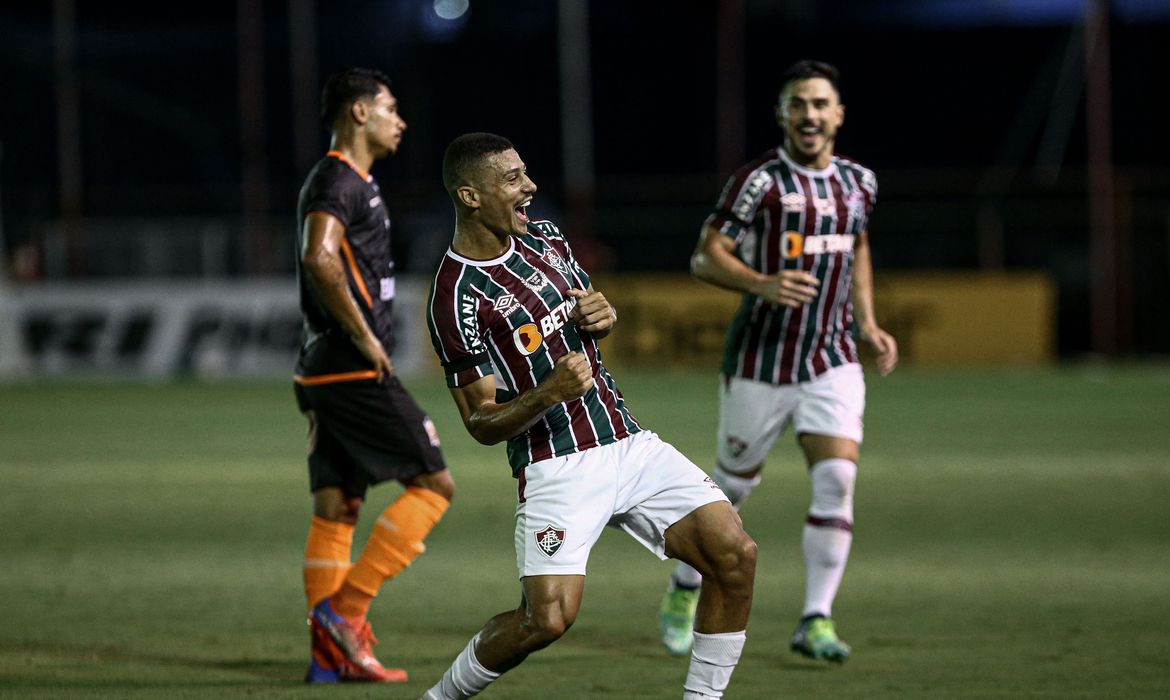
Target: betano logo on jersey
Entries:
(529, 337)
(794, 245)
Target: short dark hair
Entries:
(465, 153)
(345, 87)
(807, 68)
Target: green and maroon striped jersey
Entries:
(783, 216)
(509, 316)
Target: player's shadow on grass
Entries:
(107, 655)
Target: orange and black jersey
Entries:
(337, 187)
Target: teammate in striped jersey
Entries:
(515, 322)
(790, 232)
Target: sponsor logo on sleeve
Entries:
(467, 323)
(745, 206)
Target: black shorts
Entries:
(367, 433)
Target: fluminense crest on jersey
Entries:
(550, 540)
(551, 257)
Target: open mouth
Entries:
(521, 208)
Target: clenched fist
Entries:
(571, 377)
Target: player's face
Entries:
(810, 112)
(505, 190)
(385, 126)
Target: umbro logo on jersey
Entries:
(550, 540)
(551, 257)
(793, 202)
(505, 305)
(536, 282)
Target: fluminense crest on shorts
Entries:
(550, 540)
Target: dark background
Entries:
(973, 115)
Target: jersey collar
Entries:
(345, 159)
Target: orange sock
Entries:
(396, 540)
(326, 558)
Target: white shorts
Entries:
(640, 484)
(752, 415)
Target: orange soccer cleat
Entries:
(345, 649)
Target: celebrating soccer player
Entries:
(515, 322)
(789, 232)
(363, 426)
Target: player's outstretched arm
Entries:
(490, 422)
(593, 312)
(321, 256)
(715, 262)
(882, 342)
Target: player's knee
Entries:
(833, 482)
(336, 505)
(547, 626)
(439, 482)
(734, 564)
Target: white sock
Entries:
(737, 489)
(828, 533)
(465, 677)
(713, 658)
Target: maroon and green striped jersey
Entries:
(509, 316)
(783, 216)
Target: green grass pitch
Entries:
(1012, 541)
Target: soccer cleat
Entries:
(816, 638)
(322, 666)
(347, 648)
(676, 619)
